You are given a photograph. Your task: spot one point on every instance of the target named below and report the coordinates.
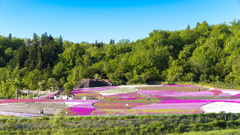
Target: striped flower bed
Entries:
(83, 109)
(69, 112)
(144, 111)
(125, 96)
(100, 105)
(166, 99)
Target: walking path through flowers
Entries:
(138, 99)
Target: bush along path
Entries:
(164, 125)
(106, 122)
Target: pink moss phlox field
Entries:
(144, 111)
(166, 98)
(216, 92)
(161, 95)
(184, 104)
(193, 94)
(69, 112)
(171, 103)
(125, 96)
(237, 96)
(178, 86)
(202, 101)
(156, 92)
(131, 98)
(174, 95)
(85, 105)
(83, 109)
(170, 106)
(225, 96)
(117, 105)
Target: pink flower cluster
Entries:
(237, 96)
(216, 92)
(144, 111)
(178, 85)
(161, 95)
(202, 101)
(83, 109)
(172, 101)
(125, 96)
(170, 106)
(117, 105)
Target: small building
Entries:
(62, 94)
(87, 83)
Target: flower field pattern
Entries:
(31, 107)
(125, 96)
(176, 99)
(101, 105)
(123, 100)
(83, 109)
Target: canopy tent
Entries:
(29, 91)
(37, 92)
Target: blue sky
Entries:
(102, 20)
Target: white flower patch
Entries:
(217, 107)
(118, 90)
(232, 92)
(70, 104)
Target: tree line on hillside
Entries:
(206, 53)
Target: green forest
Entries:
(205, 53)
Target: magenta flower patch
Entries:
(125, 96)
(179, 86)
(82, 111)
(216, 92)
(237, 96)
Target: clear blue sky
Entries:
(102, 20)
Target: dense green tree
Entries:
(17, 43)
(112, 42)
(2, 62)
(201, 54)
(10, 36)
(32, 78)
(4, 44)
(8, 54)
(60, 70)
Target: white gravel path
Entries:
(232, 92)
(118, 90)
